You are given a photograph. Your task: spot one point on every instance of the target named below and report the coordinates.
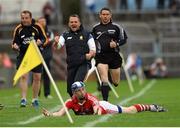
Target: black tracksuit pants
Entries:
(46, 81)
(76, 73)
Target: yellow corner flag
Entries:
(31, 59)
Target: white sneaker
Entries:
(49, 97)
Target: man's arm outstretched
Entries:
(59, 113)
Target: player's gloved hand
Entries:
(46, 112)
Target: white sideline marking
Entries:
(106, 117)
(34, 119)
(14, 96)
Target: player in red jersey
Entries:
(83, 103)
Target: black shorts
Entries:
(37, 69)
(113, 60)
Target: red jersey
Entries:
(85, 108)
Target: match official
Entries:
(109, 36)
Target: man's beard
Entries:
(81, 98)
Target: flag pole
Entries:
(94, 68)
(53, 82)
(127, 74)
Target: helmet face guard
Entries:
(77, 86)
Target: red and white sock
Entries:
(142, 107)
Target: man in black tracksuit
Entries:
(80, 48)
(26, 31)
(108, 37)
(47, 55)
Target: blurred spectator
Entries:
(91, 8)
(139, 4)
(160, 4)
(134, 67)
(5, 61)
(172, 3)
(47, 11)
(178, 4)
(0, 9)
(0, 13)
(174, 6)
(1, 62)
(5, 66)
(124, 4)
(90, 4)
(158, 69)
(112, 4)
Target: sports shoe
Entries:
(23, 103)
(157, 108)
(35, 103)
(1, 106)
(49, 97)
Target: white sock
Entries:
(34, 99)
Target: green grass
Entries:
(165, 92)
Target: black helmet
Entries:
(77, 85)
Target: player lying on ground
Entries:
(83, 103)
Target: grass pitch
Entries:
(165, 92)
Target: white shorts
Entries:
(108, 107)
